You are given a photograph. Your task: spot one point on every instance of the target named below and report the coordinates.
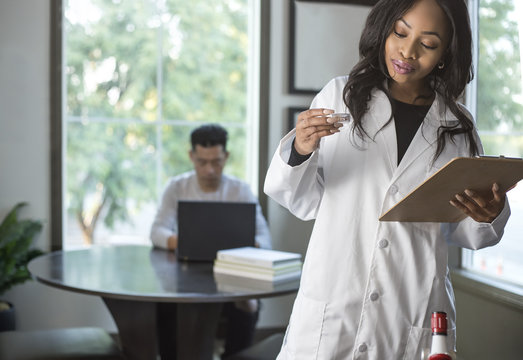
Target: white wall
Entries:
(487, 328)
(24, 107)
(25, 159)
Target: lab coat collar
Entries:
(438, 115)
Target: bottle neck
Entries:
(438, 350)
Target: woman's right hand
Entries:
(311, 126)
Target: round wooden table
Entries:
(134, 280)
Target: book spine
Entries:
(267, 277)
(246, 261)
(287, 277)
(259, 269)
(222, 270)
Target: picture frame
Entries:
(315, 22)
(292, 116)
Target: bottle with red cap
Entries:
(438, 349)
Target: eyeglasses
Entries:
(213, 162)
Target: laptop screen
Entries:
(204, 227)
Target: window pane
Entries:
(140, 75)
(500, 121)
(110, 181)
(111, 58)
(205, 70)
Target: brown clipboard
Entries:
(429, 202)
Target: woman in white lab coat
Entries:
(368, 287)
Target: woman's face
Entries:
(416, 44)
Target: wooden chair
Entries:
(84, 343)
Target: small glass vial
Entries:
(342, 118)
(438, 349)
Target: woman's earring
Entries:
(441, 65)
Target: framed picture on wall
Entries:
(292, 116)
(323, 41)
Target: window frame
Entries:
(259, 102)
(56, 130)
(491, 288)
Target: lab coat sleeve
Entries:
(298, 188)
(474, 235)
(164, 224)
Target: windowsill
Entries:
(488, 288)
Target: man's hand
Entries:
(172, 242)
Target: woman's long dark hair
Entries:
(371, 70)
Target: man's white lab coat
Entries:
(368, 287)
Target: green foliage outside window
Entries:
(499, 118)
(139, 76)
(500, 95)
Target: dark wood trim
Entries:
(263, 156)
(292, 54)
(56, 95)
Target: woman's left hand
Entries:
(481, 207)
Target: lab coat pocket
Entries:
(304, 332)
(419, 341)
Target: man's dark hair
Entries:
(209, 135)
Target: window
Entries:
(499, 116)
(138, 77)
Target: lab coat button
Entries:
(374, 296)
(393, 189)
(383, 243)
(362, 347)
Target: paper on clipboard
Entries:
(429, 202)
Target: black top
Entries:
(407, 120)
(296, 158)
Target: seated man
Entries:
(207, 182)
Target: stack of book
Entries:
(260, 264)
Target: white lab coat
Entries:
(368, 288)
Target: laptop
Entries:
(204, 227)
